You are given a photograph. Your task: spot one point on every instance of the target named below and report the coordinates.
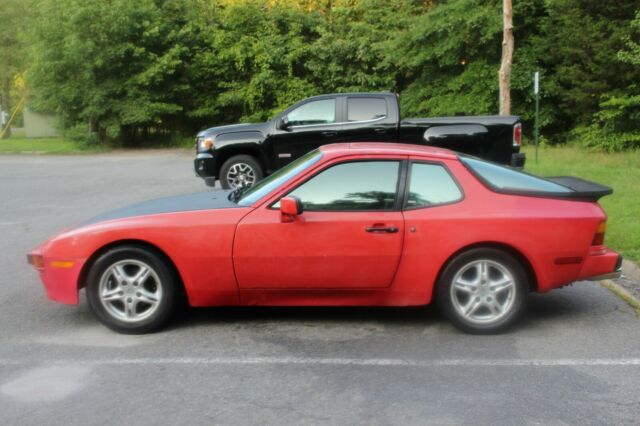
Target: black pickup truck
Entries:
(241, 154)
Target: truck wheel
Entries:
(240, 171)
(483, 291)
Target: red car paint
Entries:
(251, 256)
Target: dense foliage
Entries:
(123, 69)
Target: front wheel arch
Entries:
(84, 273)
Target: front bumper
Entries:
(205, 167)
(518, 159)
(59, 276)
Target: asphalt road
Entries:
(574, 359)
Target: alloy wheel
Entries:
(483, 291)
(241, 175)
(130, 290)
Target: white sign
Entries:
(536, 82)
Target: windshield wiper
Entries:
(236, 194)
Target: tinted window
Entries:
(503, 178)
(360, 109)
(315, 112)
(363, 185)
(268, 184)
(431, 184)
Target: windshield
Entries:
(248, 196)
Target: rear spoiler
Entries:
(584, 190)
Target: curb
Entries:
(631, 270)
(623, 294)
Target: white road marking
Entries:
(373, 362)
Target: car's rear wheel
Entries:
(131, 290)
(483, 290)
(240, 171)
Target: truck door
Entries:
(309, 125)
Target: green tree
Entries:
(251, 62)
(617, 125)
(449, 57)
(117, 67)
(577, 50)
(356, 42)
(12, 50)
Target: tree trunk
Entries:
(507, 55)
(5, 104)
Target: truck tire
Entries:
(240, 171)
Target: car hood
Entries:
(209, 200)
(233, 128)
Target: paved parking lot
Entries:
(574, 359)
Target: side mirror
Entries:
(290, 208)
(283, 123)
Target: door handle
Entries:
(380, 130)
(329, 133)
(386, 230)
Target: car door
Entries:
(349, 235)
(309, 125)
(368, 119)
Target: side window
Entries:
(361, 109)
(431, 184)
(315, 112)
(361, 185)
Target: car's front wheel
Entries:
(240, 171)
(131, 290)
(483, 291)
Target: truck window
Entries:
(314, 112)
(361, 109)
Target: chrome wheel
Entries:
(130, 290)
(241, 175)
(483, 291)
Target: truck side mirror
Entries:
(283, 123)
(290, 208)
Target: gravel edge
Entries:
(630, 279)
(622, 293)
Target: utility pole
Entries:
(536, 128)
(507, 55)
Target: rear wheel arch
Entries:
(84, 273)
(517, 254)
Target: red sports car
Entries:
(348, 224)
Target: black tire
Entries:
(164, 279)
(448, 299)
(247, 160)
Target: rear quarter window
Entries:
(431, 185)
(504, 179)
